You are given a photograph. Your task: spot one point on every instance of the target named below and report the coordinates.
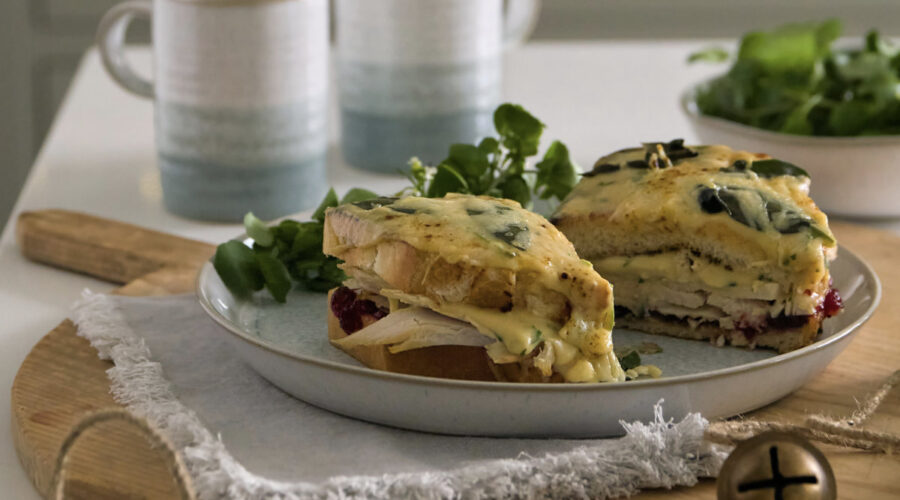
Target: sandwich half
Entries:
(467, 287)
(706, 243)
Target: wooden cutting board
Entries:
(62, 379)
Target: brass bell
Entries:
(776, 466)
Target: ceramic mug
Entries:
(416, 76)
(240, 90)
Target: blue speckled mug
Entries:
(416, 76)
(241, 91)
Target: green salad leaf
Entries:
(258, 230)
(556, 174)
(356, 195)
(775, 168)
(275, 274)
(237, 266)
(630, 360)
(330, 200)
(792, 80)
(711, 54)
(290, 252)
(284, 254)
(497, 166)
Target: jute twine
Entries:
(842, 432)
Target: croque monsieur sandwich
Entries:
(706, 243)
(467, 287)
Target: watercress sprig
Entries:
(283, 254)
(497, 166)
(291, 252)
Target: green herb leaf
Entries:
(826, 33)
(556, 173)
(630, 360)
(331, 200)
(446, 180)
(497, 167)
(276, 276)
(470, 161)
(516, 188)
(792, 49)
(520, 132)
(258, 231)
(355, 195)
(817, 232)
(711, 55)
(307, 239)
(489, 146)
(875, 43)
(851, 117)
(797, 121)
(775, 168)
(238, 268)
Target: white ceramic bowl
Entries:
(851, 176)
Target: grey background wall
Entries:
(41, 42)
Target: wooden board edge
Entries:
(39, 461)
(34, 464)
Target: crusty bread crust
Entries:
(450, 361)
(782, 340)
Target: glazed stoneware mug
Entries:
(415, 76)
(240, 93)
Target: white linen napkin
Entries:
(243, 438)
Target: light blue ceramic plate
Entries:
(287, 344)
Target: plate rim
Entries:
(209, 309)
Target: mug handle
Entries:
(519, 22)
(111, 40)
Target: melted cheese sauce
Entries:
(677, 266)
(494, 233)
(631, 195)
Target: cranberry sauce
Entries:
(832, 304)
(352, 312)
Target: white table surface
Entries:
(99, 158)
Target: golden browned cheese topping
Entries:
(762, 200)
(494, 233)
